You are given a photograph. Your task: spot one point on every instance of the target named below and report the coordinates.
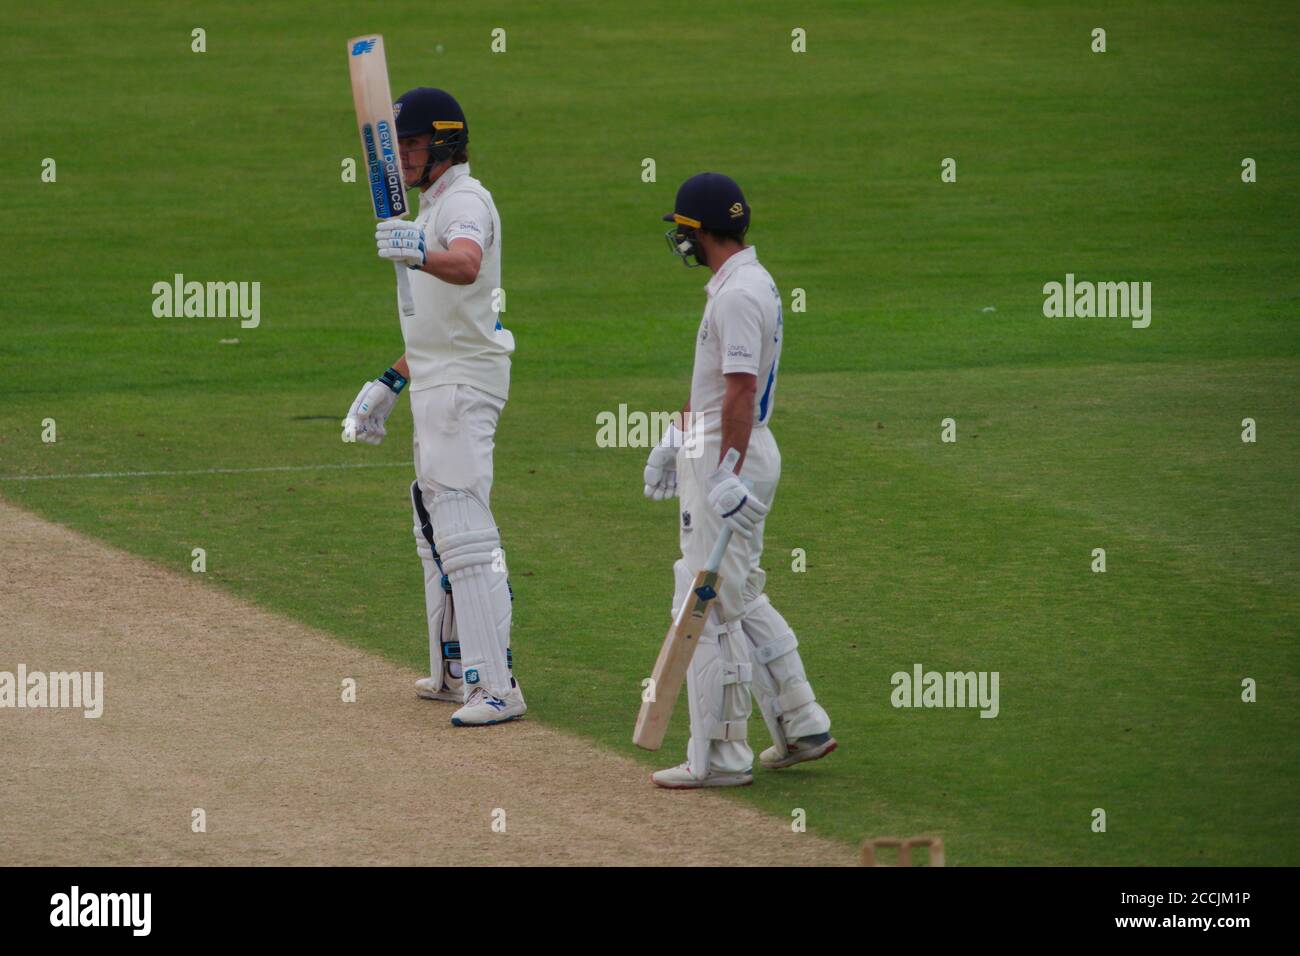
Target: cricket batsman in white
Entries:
(746, 643)
(457, 363)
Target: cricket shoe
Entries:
(803, 749)
(430, 688)
(681, 778)
(482, 708)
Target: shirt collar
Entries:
(439, 185)
(748, 254)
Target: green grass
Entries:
(1119, 690)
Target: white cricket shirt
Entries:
(740, 332)
(454, 337)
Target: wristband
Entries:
(394, 380)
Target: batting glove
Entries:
(731, 499)
(371, 408)
(398, 240)
(661, 466)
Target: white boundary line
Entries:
(208, 471)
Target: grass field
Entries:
(1118, 690)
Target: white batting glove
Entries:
(398, 240)
(731, 499)
(661, 466)
(371, 408)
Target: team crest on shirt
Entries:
(686, 521)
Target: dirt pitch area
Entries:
(215, 704)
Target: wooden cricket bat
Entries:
(679, 645)
(378, 128)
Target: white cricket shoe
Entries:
(430, 688)
(482, 708)
(804, 748)
(681, 778)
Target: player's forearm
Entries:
(737, 420)
(456, 266)
(402, 368)
(683, 418)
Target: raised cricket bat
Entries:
(679, 645)
(374, 103)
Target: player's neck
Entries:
(433, 180)
(719, 255)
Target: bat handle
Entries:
(404, 289)
(403, 282)
(729, 461)
(719, 549)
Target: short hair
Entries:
(728, 235)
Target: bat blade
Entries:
(683, 637)
(377, 127)
(674, 660)
(375, 122)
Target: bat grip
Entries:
(404, 289)
(719, 549)
(729, 461)
(403, 282)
